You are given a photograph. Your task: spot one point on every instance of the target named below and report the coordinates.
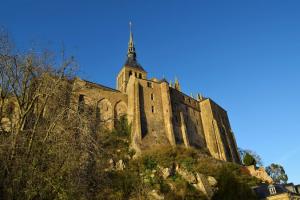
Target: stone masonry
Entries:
(159, 112)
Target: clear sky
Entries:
(244, 54)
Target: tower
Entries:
(131, 66)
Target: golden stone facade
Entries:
(159, 113)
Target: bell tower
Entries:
(131, 66)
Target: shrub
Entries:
(149, 162)
(249, 160)
(230, 188)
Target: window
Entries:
(140, 75)
(149, 84)
(130, 73)
(152, 109)
(152, 96)
(272, 189)
(81, 103)
(135, 74)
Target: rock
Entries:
(165, 173)
(189, 177)
(259, 173)
(212, 181)
(154, 195)
(120, 166)
(111, 163)
(199, 181)
(203, 185)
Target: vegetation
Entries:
(249, 160)
(277, 173)
(250, 154)
(230, 188)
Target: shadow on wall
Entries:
(144, 125)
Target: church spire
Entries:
(131, 54)
(131, 50)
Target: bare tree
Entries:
(51, 146)
(38, 124)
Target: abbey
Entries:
(159, 112)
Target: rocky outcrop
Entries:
(118, 166)
(155, 196)
(202, 183)
(199, 181)
(259, 173)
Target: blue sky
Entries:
(244, 54)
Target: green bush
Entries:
(230, 188)
(150, 163)
(122, 127)
(249, 160)
(189, 163)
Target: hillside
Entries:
(170, 173)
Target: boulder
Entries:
(259, 173)
(120, 166)
(212, 181)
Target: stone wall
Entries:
(186, 119)
(160, 115)
(218, 134)
(109, 104)
(151, 107)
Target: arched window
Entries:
(130, 73)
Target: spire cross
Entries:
(130, 25)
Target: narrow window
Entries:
(152, 96)
(81, 103)
(130, 73)
(135, 74)
(152, 109)
(140, 75)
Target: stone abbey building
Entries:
(160, 113)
